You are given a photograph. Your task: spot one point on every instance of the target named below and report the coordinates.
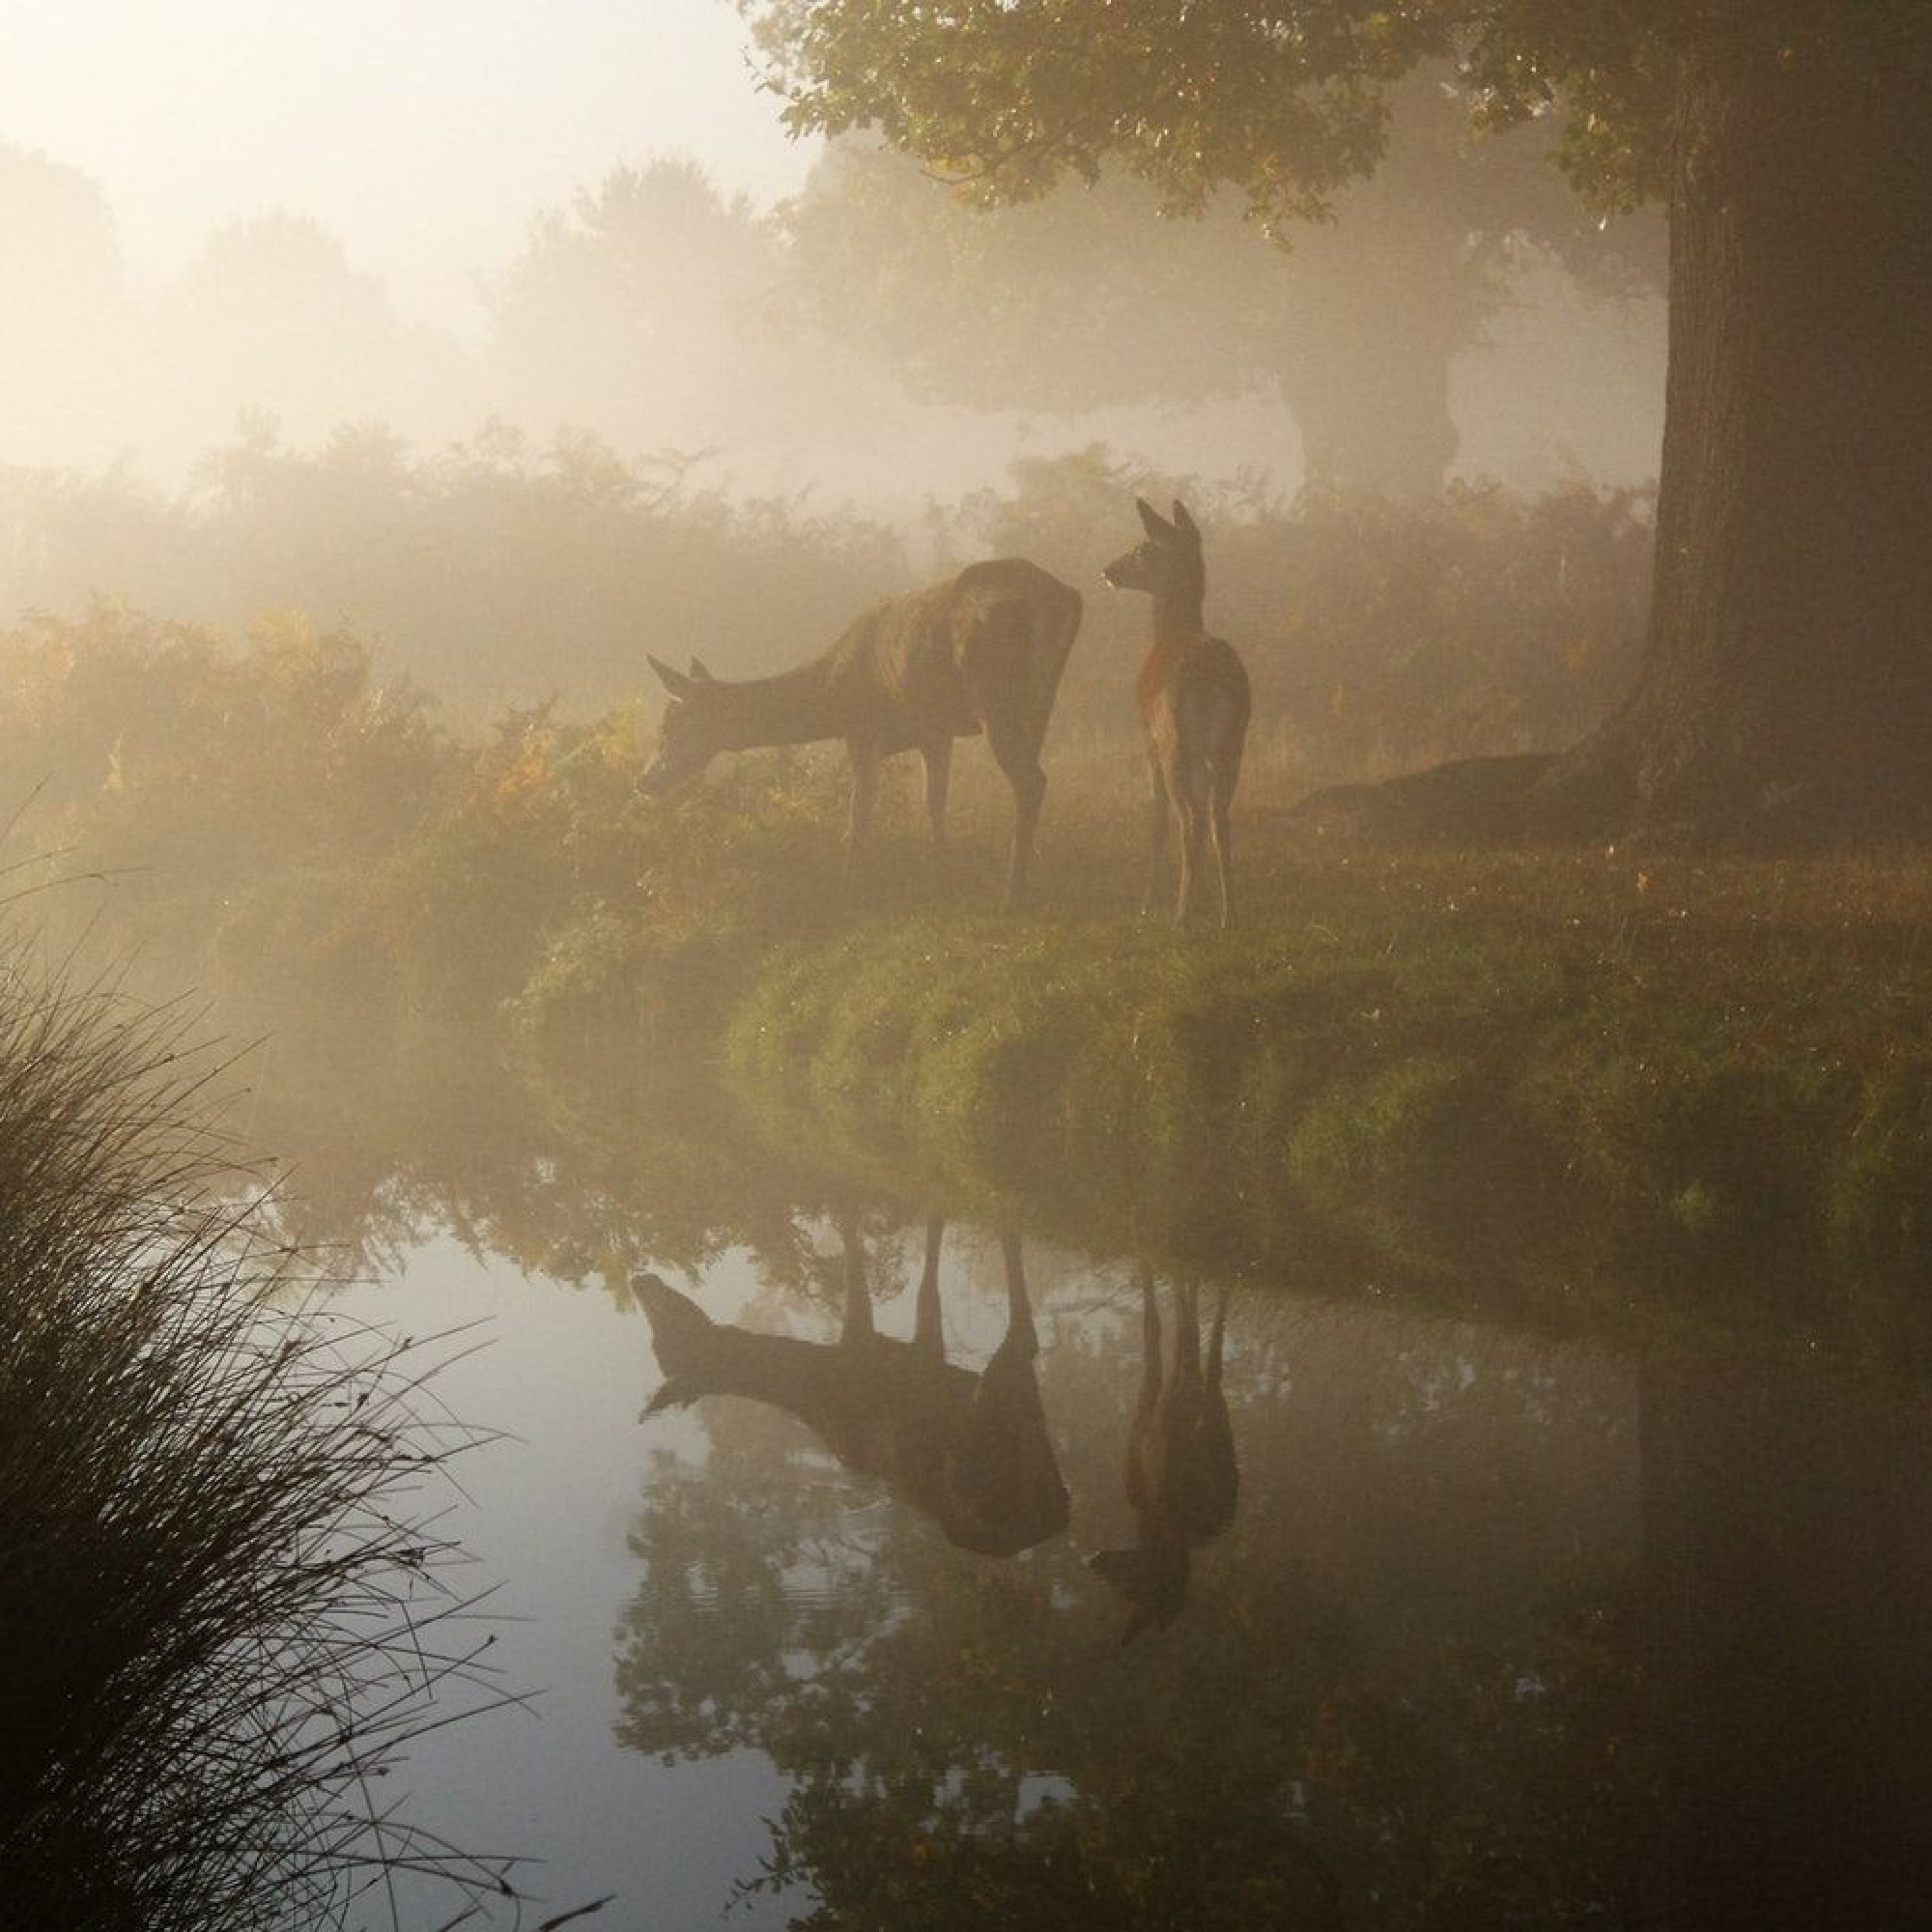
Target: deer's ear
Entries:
(1183, 523)
(1152, 521)
(673, 681)
(699, 675)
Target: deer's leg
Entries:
(1018, 757)
(1222, 849)
(1151, 1365)
(1020, 1330)
(1214, 1336)
(1227, 776)
(864, 759)
(928, 1339)
(1187, 1335)
(938, 757)
(1158, 812)
(1185, 788)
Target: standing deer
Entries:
(971, 1451)
(1194, 705)
(1182, 1474)
(981, 652)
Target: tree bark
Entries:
(1789, 1650)
(1786, 695)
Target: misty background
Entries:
(573, 356)
(788, 348)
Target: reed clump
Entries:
(224, 1606)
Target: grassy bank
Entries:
(1554, 1074)
(1567, 1084)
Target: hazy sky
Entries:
(425, 134)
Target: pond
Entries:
(863, 1573)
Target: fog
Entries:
(804, 350)
(1463, 1317)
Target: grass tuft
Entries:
(224, 1603)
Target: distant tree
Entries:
(61, 303)
(1083, 299)
(621, 305)
(272, 320)
(640, 315)
(1787, 690)
(56, 235)
(286, 273)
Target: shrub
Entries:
(1379, 636)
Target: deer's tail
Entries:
(1053, 625)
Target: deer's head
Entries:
(689, 1345)
(1167, 562)
(693, 731)
(1152, 1577)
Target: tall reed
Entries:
(225, 1600)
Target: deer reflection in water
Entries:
(1181, 1477)
(969, 1450)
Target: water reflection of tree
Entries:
(969, 1744)
(1790, 1644)
(570, 1171)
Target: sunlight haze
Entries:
(1018, 1020)
(427, 136)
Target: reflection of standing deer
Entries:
(1181, 1477)
(1194, 705)
(981, 652)
(969, 1450)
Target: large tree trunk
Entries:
(1786, 693)
(1789, 1650)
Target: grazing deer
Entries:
(971, 1451)
(1194, 705)
(1182, 1475)
(981, 652)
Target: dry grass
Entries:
(224, 1603)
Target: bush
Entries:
(498, 573)
(1379, 636)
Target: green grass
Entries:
(1558, 1082)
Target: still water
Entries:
(1358, 1617)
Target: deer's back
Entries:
(895, 672)
(1194, 699)
(969, 1450)
(909, 665)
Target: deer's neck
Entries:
(1176, 617)
(1177, 629)
(783, 1370)
(831, 1386)
(794, 707)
